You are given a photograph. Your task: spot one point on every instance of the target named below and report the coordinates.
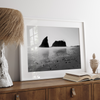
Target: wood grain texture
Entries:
(2, 96)
(17, 97)
(47, 94)
(87, 92)
(96, 91)
(51, 89)
(29, 95)
(78, 90)
(56, 94)
(10, 96)
(32, 95)
(83, 92)
(41, 84)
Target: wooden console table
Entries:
(52, 89)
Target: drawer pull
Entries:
(17, 97)
(73, 94)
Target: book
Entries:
(79, 77)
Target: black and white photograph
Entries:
(53, 48)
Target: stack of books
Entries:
(79, 77)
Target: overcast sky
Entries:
(69, 35)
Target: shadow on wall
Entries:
(12, 55)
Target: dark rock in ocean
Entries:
(44, 42)
(60, 43)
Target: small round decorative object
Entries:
(94, 63)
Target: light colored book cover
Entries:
(79, 77)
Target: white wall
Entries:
(81, 10)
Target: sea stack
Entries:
(45, 43)
(60, 43)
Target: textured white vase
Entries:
(5, 79)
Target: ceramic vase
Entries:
(5, 79)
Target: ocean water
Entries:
(54, 58)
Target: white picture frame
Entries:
(24, 74)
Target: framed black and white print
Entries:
(51, 48)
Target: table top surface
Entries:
(41, 84)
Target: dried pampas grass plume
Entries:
(11, 26)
